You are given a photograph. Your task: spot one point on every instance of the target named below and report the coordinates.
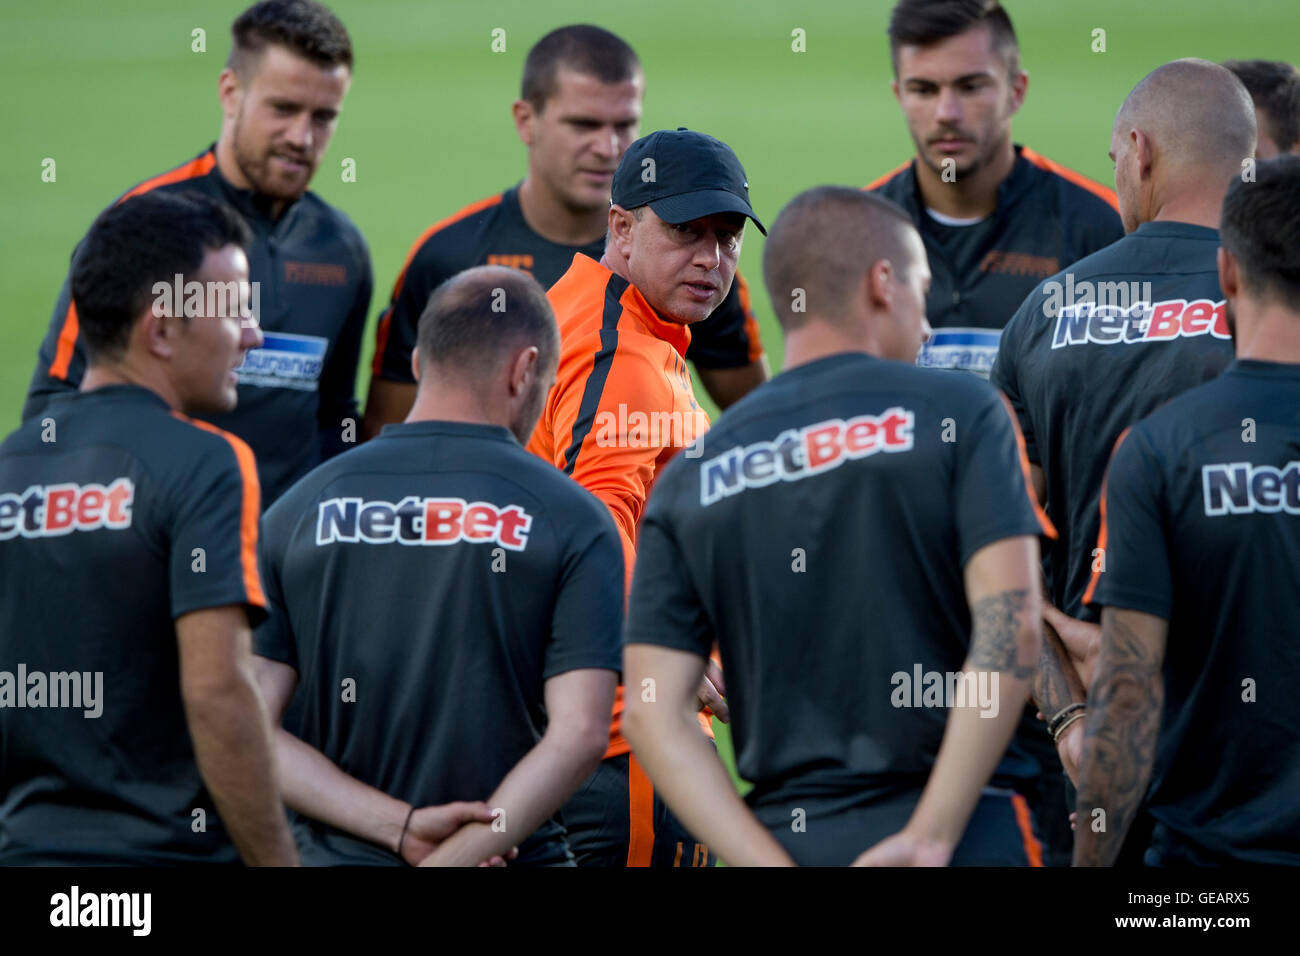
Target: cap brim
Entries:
(704, 202)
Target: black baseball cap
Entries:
(693, 175)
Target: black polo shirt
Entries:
(425, 585)
(312, 276)
(1093, 350)
(820, 537)
(493, 231)
(115, 521)
(1202, 528)
(1047, 217)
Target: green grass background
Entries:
(114, 94)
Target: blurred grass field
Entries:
(115, 94)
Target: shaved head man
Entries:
(1105, 343)
(1185, 122)
(832, 732)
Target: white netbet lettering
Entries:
(799, 453)
(1242, 488)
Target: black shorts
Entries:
(821, 832)
(616, 819)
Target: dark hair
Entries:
(1275, 88)
(583, 49)
(309, 29)
(476, 315)
(1261, 228)
(821, 245)
(133, 245)
(923, 22)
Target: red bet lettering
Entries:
(479, 522)
(1220, 328)
(59, 502)
(514, 527)
(88, 508)
(1164, 320)
(1197, 318)
(822, 446)
(120, 494)
(442, 520)
(860, 437)
(894, 424)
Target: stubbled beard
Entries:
(255, 168)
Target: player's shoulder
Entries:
(894, 184)
(1188, 415)
(189, 440)
(192, 174)
(1080, 195)
(452, 235)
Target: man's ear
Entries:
(1142, 153)
(157, 333)
(522, 369)
(1019, 87)
(893, 85)
(621, 222)
(415, 363)
(879, 284)
(229, 93)
(523, 113)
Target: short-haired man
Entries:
(450, 605)
(130, 724)
(996, 217)
(859, 537)
(1193, 709)
(1118, 334)
(1274, 87)
(281, 92)
(578, 110)
(623, 405)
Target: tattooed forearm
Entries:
(1120, 737)
(1057, 684)
(997, 623)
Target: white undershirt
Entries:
(952, 220)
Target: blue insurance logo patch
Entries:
(285, 361)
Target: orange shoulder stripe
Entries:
(1044, 522)
(63, 352)
(250, 508)
(751, 323)
(71, 326)
(195, 168)
(877, 183)
(1103, 534)
(438, 227)
(1080, 180)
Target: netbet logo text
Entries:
(802, 452)
(1242, 488)
(1106, 324)
(421, 521)
(44, 511)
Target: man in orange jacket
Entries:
(623, 405)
